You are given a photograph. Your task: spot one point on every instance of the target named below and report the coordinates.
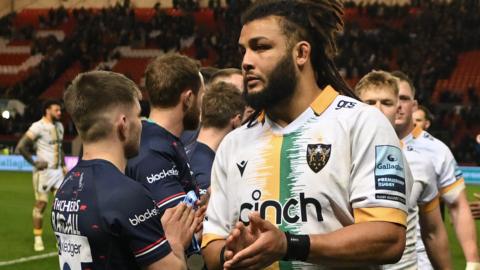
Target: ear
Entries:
(188, 98)
(236, 121)
(302, 51)
(122, 128)
(427, 124)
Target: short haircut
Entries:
(224, 73)
(168, 76)
(48, 103)
(404, 77)
(207, 73)
(428, 114)
(92, 95)
(220, 104)
(377, 78)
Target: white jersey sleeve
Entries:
(217, 212)
(380, 178)
(34, 132)
(450, 179)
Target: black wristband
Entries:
(222, 257)
(298, 247)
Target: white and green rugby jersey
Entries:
(337, 164)
(48, 138)
(448, 177)
(423, 198)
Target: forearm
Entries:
(464, 227)
(211, 254)
(23, 149)
(361, 243)
(435, 238)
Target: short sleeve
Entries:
(138, 223)
(34, 131)
(380, 180)
(217, 217)
(160, 176)
(450, 178)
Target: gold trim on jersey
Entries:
(453, 186)
(380, 214)
(417, 131)
(326, 97)
(210, 237)
(430, 206)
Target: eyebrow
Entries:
(254, 40)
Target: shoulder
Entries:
(433, 144)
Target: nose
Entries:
(378, 105)
(247, 63)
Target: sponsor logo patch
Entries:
(389, 171)
(318, 156)
(345, 104)
(137, 219)
(161, 175)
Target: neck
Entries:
(287, 111)
(170, 119)
(212, 136)
(403, 132)
(47, 119)
(110, 150)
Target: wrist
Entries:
(297, 247)
(473, 266)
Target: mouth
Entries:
(252, 81)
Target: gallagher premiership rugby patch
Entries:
(389, 171)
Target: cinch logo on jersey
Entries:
(389, 173)
(159, 176)
(288, 211)
(137, 219)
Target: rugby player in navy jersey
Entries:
(222, 109)
(101, 218)
(173, 83)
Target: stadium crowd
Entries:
(231, 164)
(395, 37)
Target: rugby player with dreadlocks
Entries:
(316, 179)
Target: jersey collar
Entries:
(319, 105)
(324, 99)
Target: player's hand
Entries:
(270, 245)
(240, 238)
(40, 164)
(179, 224)
(200, 215)
(475, 206)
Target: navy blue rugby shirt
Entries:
(201, 160)
(162, 166)
(104, 220)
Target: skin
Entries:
(383, 99)
(433, 232)
(263, 45)
(27, 142)
(123, 142)
(459, 209)
(420, 119)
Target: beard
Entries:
(280, 85)
(131, 149)
(191, 120)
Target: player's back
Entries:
(104, 220)
(201, 162)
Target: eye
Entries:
(261, 47)
(370, 102)
(241, 50)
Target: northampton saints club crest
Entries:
(318, 155)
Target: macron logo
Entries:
(241, 166)
(159, 176)
(137, 219)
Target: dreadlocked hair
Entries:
(315, 21)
